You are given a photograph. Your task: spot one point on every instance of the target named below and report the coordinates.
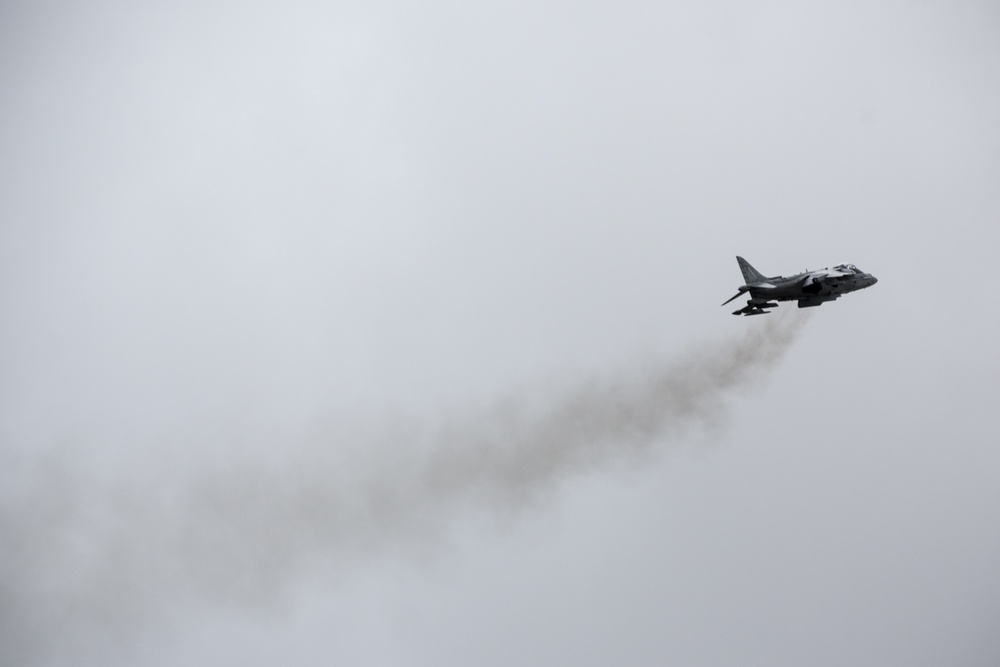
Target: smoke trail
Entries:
(84, 567)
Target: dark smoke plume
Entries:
(86, 565)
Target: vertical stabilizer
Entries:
(750, 274)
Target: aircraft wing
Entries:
(821, 275)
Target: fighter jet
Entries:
(810, 288)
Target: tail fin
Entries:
(750, 274)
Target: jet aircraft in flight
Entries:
(811, 288)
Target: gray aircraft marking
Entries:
(810, 288)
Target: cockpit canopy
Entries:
(847, 268)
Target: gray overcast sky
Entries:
(263, 265)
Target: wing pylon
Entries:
(756, 308)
